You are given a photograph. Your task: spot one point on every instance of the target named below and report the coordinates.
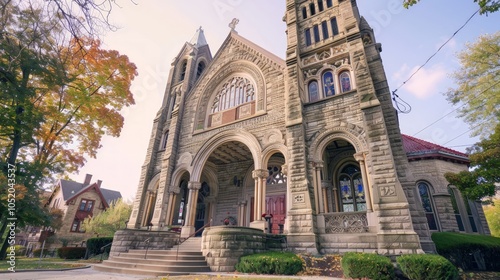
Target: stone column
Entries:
(241, 213)
(318, 193)
(188, 228)
(170, 208)
(325, 185)
(260, 176)
(360, 157)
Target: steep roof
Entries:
(71, 189)
(198, 39)
(417, 149)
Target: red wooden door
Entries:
(276, 205)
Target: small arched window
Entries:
(316, 33)
(320, 5)
(312, 8)
(345, 81)
(324, 29)
(329, 3)
(428, 205)
(335, 27)
(456, 210)
(328, 84)
(304, 13)
(313, 91)
(183, 70)
(199, 69)
(308, 37)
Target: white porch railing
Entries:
(346, 222)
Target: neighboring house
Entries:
(444, 206)
(77, 201)
(313, 140)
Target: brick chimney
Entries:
(99, 182)
(88, 177)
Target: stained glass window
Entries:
(275, 175)
(328, 84)
(426, 199)
(456, 211)
(345, 81)
(313, 91)
(352, 191)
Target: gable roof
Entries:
(417, 149)
(71, 189)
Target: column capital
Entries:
(174, 189)
(317, 163)
(194, 185)
(260, 173)
(284, 169)
(325, 184)
(360, 156)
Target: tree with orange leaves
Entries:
(58, 97)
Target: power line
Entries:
(434, 54)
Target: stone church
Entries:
(311, 143)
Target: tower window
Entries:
(316, 33)
(335, 28)
(164, 140)
(345, 81)
(308, 37)
(328, 84)
(312, 8)
(183, 71)
(313, 91)
(329, 3)
(304, 13)
(324, 27)
(200, 68)
(320, 5)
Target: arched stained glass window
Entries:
(427, 204)
(276, 176)
(328, 84)
(345, 81)
(234, 92)
(352, 191)
(456, 210)
(313, 91)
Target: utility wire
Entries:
(480, 105)
(403, 106)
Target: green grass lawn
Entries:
(23, 263)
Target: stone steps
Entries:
(184, 260)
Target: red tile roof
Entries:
(417, 149)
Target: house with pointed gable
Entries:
(79, 201)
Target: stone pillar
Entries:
(170, 208)
(188, 228)
(360, 157)
(241, 213)
(260, 176)
(318, 192)
(325, 185)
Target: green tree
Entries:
(109, 221)
(478, 84)
(486, 6)
(492, 213)
(481, 181)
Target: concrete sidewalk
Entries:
(91, 274)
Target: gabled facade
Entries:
(312, 140)
(78, 201)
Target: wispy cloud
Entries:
(424, 83)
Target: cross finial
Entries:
(233, 24)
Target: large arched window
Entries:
(428, 205)
(276, 176)
(328, 83)
(313, 91)
(352, 191)
(234, 92)
(345, 81)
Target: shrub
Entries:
(422, 267)
(94, 245)
(71, 252)
(270, 263)
(19, 250)
(469, 251)
(372, 266)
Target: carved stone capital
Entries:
(360, 157)
(194, 185)
(317, 164)
(260, 173)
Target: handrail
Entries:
(147, 247)
(194, 234)
(102, 248)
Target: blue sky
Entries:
(152, 32)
